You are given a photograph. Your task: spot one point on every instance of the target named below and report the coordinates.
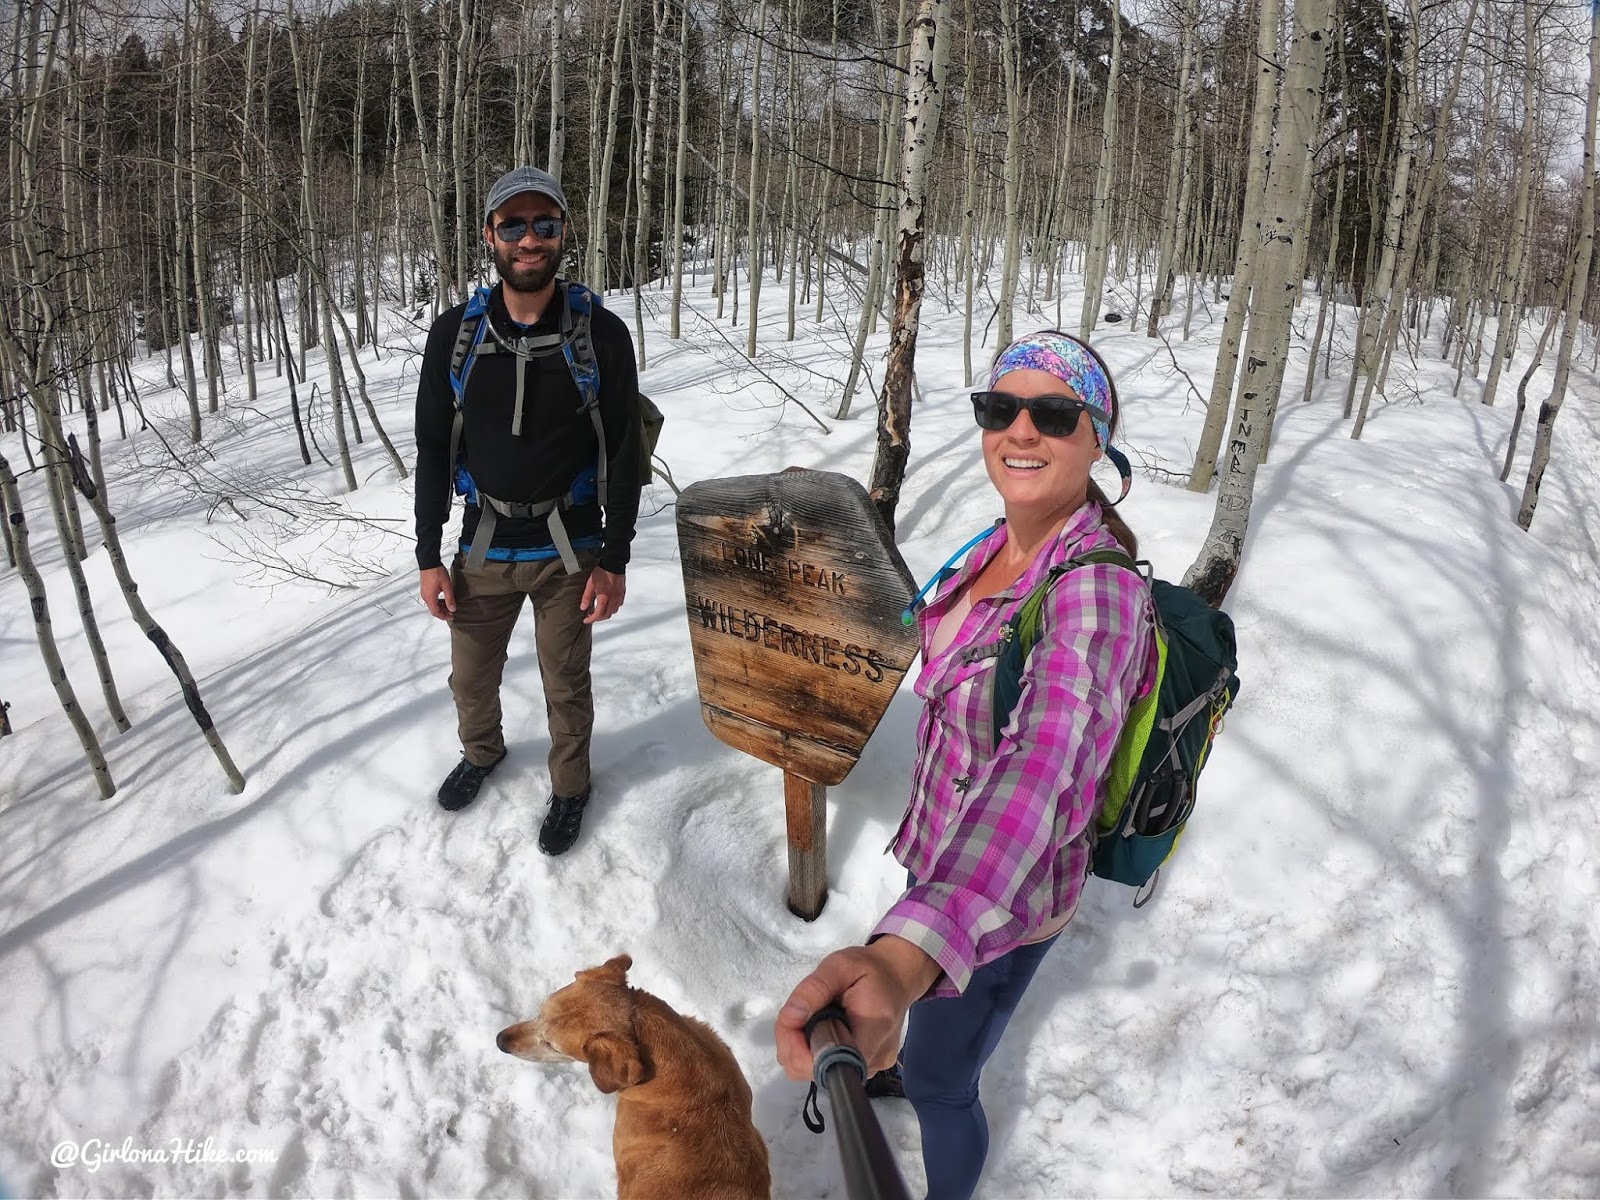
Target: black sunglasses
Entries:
(516, 229)
(1053, 416)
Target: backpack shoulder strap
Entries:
(577, 346)
(1028, 621)
(474, 319)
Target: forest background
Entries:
(237, 185)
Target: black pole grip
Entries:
(840, 1069)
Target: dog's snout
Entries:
(500, 1041)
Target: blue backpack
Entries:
(574, 342)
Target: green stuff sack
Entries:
(651, 420)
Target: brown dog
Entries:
(683, 1124)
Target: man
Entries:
(549, 517)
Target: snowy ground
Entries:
(1373, 970)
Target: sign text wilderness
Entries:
(793, 590)
(773, 632)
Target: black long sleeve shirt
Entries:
(557, 442)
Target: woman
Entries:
(996, 838)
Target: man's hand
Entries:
(602, 595)
(438, 593)
(874, 984)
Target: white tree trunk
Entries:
(33, 583)
(677, 185)
(923, 105)
(1177, 174)
(1267, 72)
(1510, 282)
(1551, 408)
(752, 244)
(558, 89)
(1272, 303)
(1094, 271)
(1010, 51)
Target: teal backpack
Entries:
(1151, 788)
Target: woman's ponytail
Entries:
(1114, 522)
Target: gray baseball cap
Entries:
(523, 179)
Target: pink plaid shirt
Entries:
(998, 838)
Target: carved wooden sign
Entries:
(794, 592)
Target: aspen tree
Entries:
(194, 41)
(1094, 271)
(246, 159)
(33, 366)
(752, 249)
(820, 243)
(1462, 316)
(599, 233)
(558, 89)
(1379, 292)
(429, 156)
(39, 605)
(1067, 228)
(1272, 301)
(364, 331)
(791, 174)
(924, 102)
(1010, 55)
(678, 171)
(308, 78)
(1178, 174)
(1329, 280)
(180, 261)
(719, 200)
(466, 236)
(1239, 298)
(1527, 376)
(969, 205)
(1510, 281)
(1398, 285)
(884, 193)
(641, 235)
(1551, 408)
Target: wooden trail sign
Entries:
(794, 592)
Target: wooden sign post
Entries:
(794, 592)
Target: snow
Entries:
(1372, 970)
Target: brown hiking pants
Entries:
(488, 602)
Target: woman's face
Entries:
(1039, 478)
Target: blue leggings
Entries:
(947, 1043)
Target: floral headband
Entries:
(1070, 361)
(1080, 368)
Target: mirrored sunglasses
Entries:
(1053, 416)
(516, 229)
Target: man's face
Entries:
(528, 264)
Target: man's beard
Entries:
(526, 277)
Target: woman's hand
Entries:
(875, 985)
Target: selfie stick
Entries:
(840, 1070)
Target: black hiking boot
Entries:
(460, 787)
(886, 1085)
(562, 822)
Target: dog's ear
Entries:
(614, 970)
(614, 1062)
